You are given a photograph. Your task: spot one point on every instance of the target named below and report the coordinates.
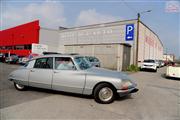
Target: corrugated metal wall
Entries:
(110, 55)
(150, 46)
(100, 34)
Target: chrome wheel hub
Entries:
(105, 94)
(19, 86)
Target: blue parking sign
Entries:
(129, 32)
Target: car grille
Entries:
(148, 65)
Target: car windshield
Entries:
(149, 61)
(82, 63)
(91, 59)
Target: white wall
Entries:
(168, 57)
(150, 46)
(51, 38)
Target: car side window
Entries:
(64, 63)
(44, 63)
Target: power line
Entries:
(127, 5)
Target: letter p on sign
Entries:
(129, 32)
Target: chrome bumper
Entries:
(126, 92)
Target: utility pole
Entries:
(137, 36)
(166, 54)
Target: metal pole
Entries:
(137, 38)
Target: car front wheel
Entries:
(155, 70)
(19, 86)
(104, 93)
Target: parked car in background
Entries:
(93, 60)
(3, 57)
(32, 55)
(171, 63)
(13, 58)
(73, 73)
(149, 64)
(173, 71)
(23, 59)
(162, 63)
(158, 63)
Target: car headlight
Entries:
(126, 84)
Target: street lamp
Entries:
(137, 39)
(138, 14)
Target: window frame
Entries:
(46, 61)
(65, 69)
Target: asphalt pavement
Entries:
(158, 98)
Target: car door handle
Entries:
(56, 72)
(32, 70)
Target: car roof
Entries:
(55, 55)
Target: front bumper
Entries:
(122, 93)
(173, 76)
(148, 67)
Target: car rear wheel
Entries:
(19, 86)
(104, 93)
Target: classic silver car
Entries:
(72, 73)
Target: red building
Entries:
(18, 39)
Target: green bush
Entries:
(133, 68)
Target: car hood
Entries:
(107, 73)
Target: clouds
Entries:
(91, 16)
(50, 14)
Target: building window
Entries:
(20, 47)
(27, 47)
(3, 48)
(8, 47)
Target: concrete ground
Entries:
(157, 99)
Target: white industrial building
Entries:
(169, 57)
(114, 43)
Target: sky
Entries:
(70, 13)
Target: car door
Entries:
(66, 77)
(41, 74)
